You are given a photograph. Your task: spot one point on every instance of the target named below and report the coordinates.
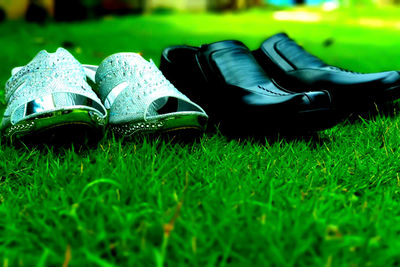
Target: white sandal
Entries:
(50, 92)
(140, 99)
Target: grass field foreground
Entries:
(332, 199)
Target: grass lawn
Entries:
(330, 200)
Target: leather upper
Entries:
(290, 65)
(235, 77)
(226, 79)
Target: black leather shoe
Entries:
(289, 65)
(226, 80)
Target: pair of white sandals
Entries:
(132, 96)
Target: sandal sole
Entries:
(57, 125)
(165, 125)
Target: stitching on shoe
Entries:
(272, 92)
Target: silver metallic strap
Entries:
(54, 102)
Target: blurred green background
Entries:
(66, 10)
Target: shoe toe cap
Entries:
(317, 100)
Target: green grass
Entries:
(329, 200)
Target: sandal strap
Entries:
(135, 89)
(55, 102)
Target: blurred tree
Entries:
(93, 8)
(2, 15)
(69, 10)
(36, 12)
(14, 9)
(139, 5)
(124, 6)
(220, 5)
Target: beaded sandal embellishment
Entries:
(140, 99)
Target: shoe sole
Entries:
(57, 126)
(169, 124)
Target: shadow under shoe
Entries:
(374, 110)
(62, 136)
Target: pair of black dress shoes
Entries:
(278, 86)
